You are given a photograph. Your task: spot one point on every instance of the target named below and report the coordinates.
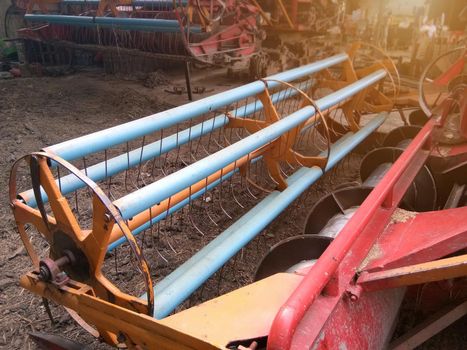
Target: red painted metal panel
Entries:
(334, 271)
(363, 324)
(423, 237)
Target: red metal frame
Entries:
(334, 271)
(371, 242)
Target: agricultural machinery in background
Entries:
(260, 35)
(232, 163)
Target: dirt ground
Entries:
(36, 112)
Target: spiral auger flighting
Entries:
(215, 172)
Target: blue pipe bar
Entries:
(146, 197)
(174, 208)
(182, 282)
(145, 24)
(122, 133)
(152, 4)
(115, 165)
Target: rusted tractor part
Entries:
(105, 193)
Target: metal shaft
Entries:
(119, 134)
(141, 24)
(115, 165)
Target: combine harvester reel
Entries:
(204, 31)
(118, 197)
(231, 33)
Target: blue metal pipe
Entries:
(145, 24)
(174, 208)
(115, 165)
(119, 134)
(181, 283)
(144, 198)
(184, 268)
(152, 4)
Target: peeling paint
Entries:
(401, 215)
(374, 253)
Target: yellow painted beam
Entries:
(245, 313)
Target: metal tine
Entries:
(233, 190)
(163, 168)
(85, 167)
(178, 149)
(111, 195)
(220, 134)
(127, 167)
(170, 245)
(271, 178)
(109, 184)
(206, 205)
(166, 224)
(247, 176)
(200, 138)
(138, 176)
(76, 203)
(235, 116)
(255, 183)
(289, 166)
(159, 159)
(206, 150)
(106, 172)
(160, 254)
(190, 142)
(167, 212)
(221, 185)
(190, 211)
(143, 182)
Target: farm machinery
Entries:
(227, 166)
(261, 36)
